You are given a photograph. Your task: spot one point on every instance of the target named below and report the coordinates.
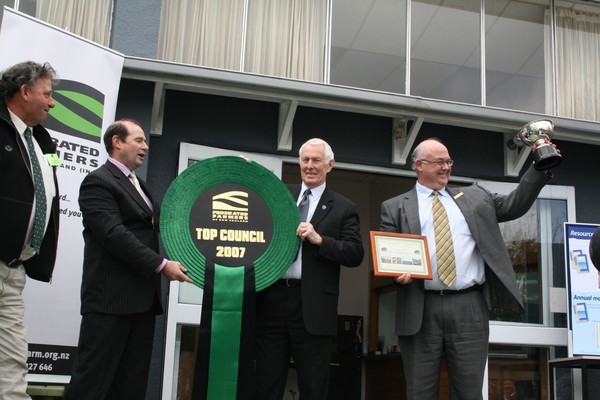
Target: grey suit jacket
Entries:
(336, 220)
(482, 211)
(121, 250)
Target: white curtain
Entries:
(202, 32)
(578, 58)
(87, 18)
(276, 37)
(287, 38)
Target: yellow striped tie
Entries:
(443, 243)
(136, 183)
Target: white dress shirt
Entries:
(295, 270)
(469, 262)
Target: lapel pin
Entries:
(323, 207)
(458, 195)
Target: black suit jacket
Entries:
(336, 220)
(16, 199)
(121, 245)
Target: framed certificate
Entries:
(398, 253)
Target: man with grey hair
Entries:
(29, 207)
(448, 315)
(297, 315)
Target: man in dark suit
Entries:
(297, 315)
(451, 319)
(120, 290)
(595, 249)
(29, 199)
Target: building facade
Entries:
(373, 78)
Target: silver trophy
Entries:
(538, 132)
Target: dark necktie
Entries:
(39, 221)
(304, 205)
(443, 242)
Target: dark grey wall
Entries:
(135, 27)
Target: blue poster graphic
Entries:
(583, 285)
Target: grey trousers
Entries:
(454, 326)
(13, 342)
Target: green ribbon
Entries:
(224, 362)
(228, 298)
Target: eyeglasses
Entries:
(440, 163)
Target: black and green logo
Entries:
(78, 110)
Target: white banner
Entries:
(86, 100)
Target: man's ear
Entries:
(116, 142)
(331, 164)
(24, 90)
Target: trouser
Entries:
(13, 342)
(113, 357)
(456, 327)
(280, 332)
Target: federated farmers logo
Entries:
(236, 229)
(78, 110)
(230, 206)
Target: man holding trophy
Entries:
(472, 271)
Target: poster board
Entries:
(85, 99)
(583, 291)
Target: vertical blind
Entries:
(273, 37)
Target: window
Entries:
(445, 50)
(286, 38)
(529, 238)
(368, 44)
(519, 372)
(577, 59)
(202, 32)
(508, 57)
(516, 53)
(87, 18)
(536, 248)
(273, 37)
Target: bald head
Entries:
(424, 158)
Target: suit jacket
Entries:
(16, 199)
(336, 220)
(482, 211)
(121, 245)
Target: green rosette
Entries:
(202, 175)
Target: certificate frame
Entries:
(400, 253)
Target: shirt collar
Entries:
(19, 124)
(119, 165)
(424, 191)
(316, 192)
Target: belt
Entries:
(446, 292)
(16, 263)
(289, 282)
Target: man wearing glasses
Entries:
(472, 272)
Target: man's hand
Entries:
(546, 141)
(404, 279)
(307, 232)
(174, 271)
